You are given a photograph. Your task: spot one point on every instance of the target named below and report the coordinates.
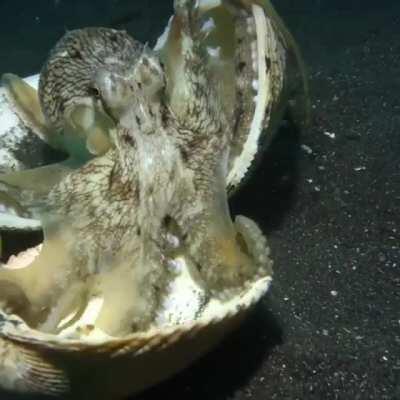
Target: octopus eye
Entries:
(93, 91)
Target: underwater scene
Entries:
(200, 199)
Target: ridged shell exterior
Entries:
(20, 148)
(33, 362)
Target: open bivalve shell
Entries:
(103, 367)
(248, 46)
(20, 148)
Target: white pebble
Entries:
(306, 148)
(330, 134)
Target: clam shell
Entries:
(97, 366)
(20, 148)
(260, 73)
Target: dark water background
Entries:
(328, 201)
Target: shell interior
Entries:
(184, 307)
(16, 154)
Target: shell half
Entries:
(21, 148)
(98, 366)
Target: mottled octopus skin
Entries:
(69, 74)
(106, 223)
(69, 79)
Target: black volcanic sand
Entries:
(328, 199)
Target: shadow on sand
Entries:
(229, 367)
(270, 191)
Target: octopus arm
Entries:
(26, 103)
(84, 130)
(190, 85)
(90, 251)
(22, 191)
(130, 293)
(225, 252)
(66, 254)
(41, 282)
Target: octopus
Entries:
(156, 139)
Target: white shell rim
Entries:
(243, 162)
(13, 328)
(14, 222)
